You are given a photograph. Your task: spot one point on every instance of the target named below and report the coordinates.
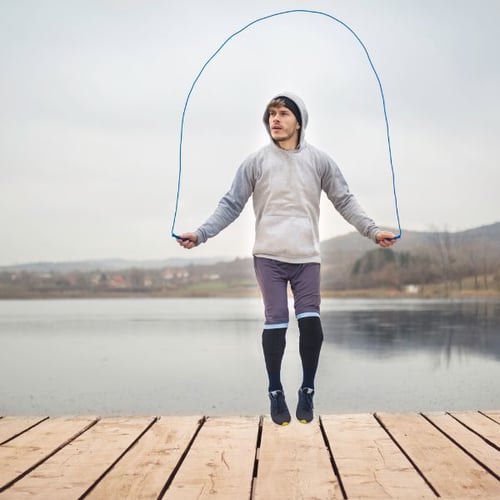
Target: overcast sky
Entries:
(91, 95)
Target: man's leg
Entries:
(273, 346)
(273, 285)
(310, 341)
(306, 290)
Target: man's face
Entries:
(283, 126)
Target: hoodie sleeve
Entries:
(337, 190)
(231, 204)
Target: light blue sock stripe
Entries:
(308, 315)
(275, 326)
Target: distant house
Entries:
(117, 281)
(167, 275)
(211, 277)
(96, 279)
(412, 289)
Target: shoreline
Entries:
(253, 293)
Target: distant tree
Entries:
(375, 268)
(443, 248)
(136, 278)
(420, 269)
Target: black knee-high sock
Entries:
(310, 340)
(273, 345)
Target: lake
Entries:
(203, 356)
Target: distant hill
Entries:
(448, 262)
(111, 264)
(337, 253)
(351, 246)
(340, 253)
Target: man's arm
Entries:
(337, 190)
(229, 208)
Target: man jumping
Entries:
(286, 179)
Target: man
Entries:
(286, 178)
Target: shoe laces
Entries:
(306, 399)
(278, 401)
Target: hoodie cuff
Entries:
(373, 233)
(201, 236)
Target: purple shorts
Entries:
(273, 277)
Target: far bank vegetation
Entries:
(422, 264)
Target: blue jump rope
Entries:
(226, 41)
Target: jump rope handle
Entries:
(392, 239)
(177, 237)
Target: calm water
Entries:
(203, 356)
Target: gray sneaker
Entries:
(305, 405)
(279, 410)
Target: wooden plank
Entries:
(480, 424)
(220, 461)
(494, 415)
(476, 446)
(71, 471)
(294, 462)
(32, 447)
(12, 426)
(144, 470)
(369, 462)
(450, 471)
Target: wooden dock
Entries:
(407, 455)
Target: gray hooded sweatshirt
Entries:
(286, 186)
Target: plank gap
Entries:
(465, 450)
(132, 444)
(182, 458)
(414, 465)
(485, 414)
(24, 430)
(484, 438)
(256, 460)
(332, 458)
(51, 454)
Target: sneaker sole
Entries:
(283, 424)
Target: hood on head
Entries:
(303, 113)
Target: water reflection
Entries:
(442, 328)
(194, 356)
